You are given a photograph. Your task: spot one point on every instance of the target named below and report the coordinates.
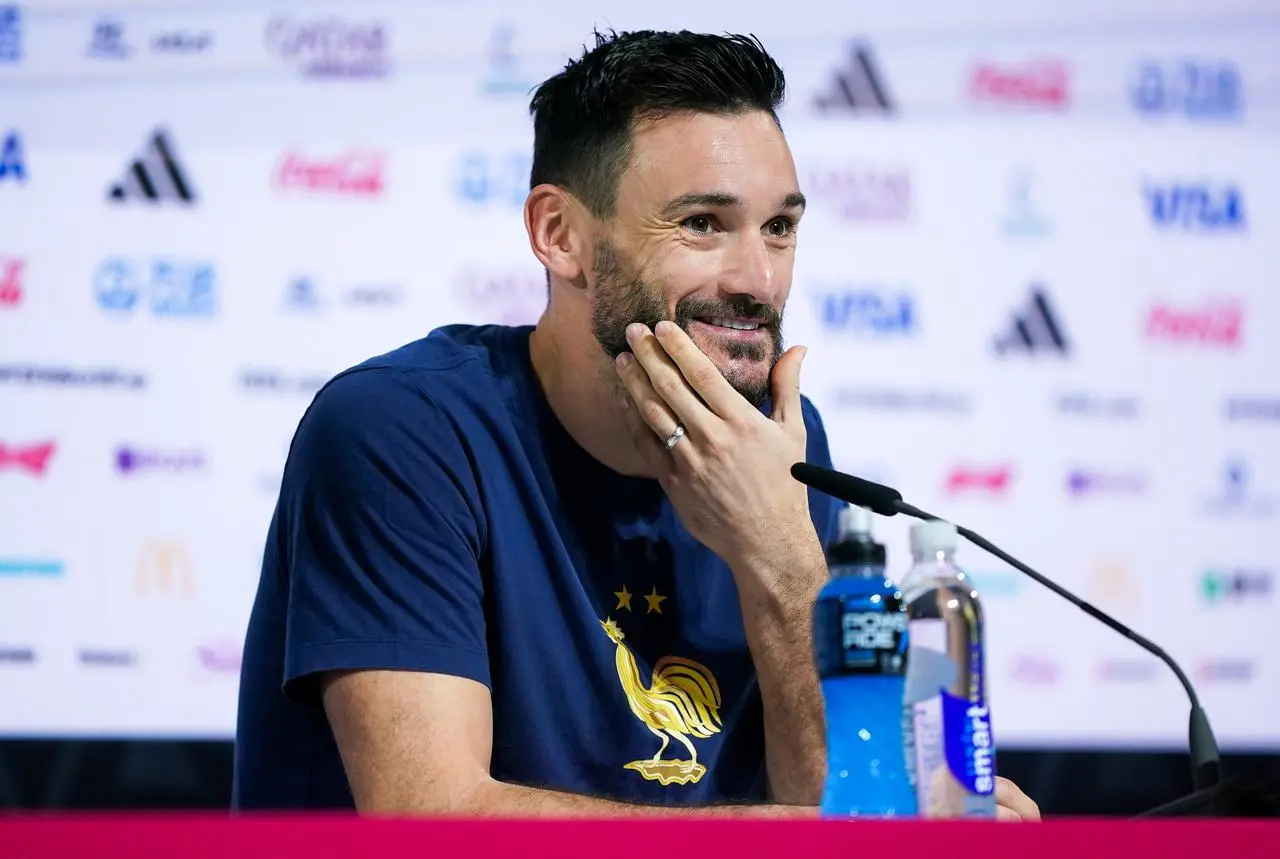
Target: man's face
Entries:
(704, 235)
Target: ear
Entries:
(555, 224)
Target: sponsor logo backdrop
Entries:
(1037, 278)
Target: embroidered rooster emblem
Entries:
(681, 701)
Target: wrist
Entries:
(780, 545)
(783, 576)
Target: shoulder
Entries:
(452, 362)
(450, 358)
(408, 403)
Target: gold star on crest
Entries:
(624, 599)
(654, 601)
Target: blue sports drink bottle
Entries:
(860, 645)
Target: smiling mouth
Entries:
(733, 324)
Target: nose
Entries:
(750, 270)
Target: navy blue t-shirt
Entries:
(435, 516)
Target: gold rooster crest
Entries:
(682, 701)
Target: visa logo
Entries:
(1196, 208)
(867, 311)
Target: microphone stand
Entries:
(1245, 797)
(1212, 797)
(1206, 769)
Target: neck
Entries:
(582, 388)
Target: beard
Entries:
(622, 296)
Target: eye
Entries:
(701, 224)
(781, 227)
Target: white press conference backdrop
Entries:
(1037, 278)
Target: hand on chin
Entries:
(724, 464)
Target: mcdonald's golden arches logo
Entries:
(164, 570)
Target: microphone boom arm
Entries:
(1205, 763)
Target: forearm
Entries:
(777, 610)
(492, 798)
(499, 799)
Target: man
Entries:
(565, 570)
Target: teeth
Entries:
(730, 323)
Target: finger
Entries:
(1010, 796)
(1007, 815)
(651, 408)
(651, 452)
(703, 376)
(785, 386)
(667, 380)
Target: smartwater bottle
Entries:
(860, 645)
(954, 767)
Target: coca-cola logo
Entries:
(330, 47)
(358, 172)
(1217, 324)
(1038, 82)
(509, 297)
(11, 281)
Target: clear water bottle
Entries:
(860, 645)
(946, 690)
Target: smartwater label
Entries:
(969, 746)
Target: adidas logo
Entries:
(155, 176)
(857, 87)
(1035, 329)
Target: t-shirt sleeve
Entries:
(824, 509)
(382, 531)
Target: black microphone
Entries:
(1206, 768)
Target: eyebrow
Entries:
(721, 200)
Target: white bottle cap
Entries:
(854, 520)
(930, 538)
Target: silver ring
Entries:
(675, 436)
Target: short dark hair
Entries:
(583, 116)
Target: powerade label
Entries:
(859, 635)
